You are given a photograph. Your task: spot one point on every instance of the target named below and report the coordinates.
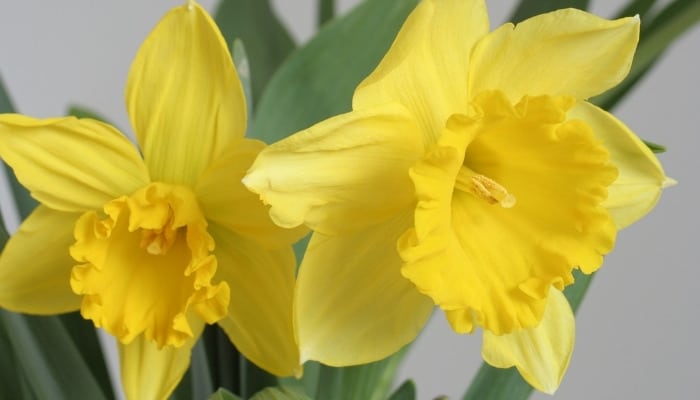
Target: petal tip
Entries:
(668, 182)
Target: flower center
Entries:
(483, 188)
(145, 266)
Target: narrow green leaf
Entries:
(407, 391)
(253, 379)
(13, 384)
(654, 147)
(25, 203)
(308, 382)
(281, 393)
(200, 374)
(318, 80)
(222, 358)
(636, 7)
(47, 356)
(240, 58)
(84, 336)
(267, 41)
(326, 11)
(6, 105)
(4, 236)
(84, 112)
(362, 382)
(529, 8)
(223, 394)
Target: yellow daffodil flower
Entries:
(471, 174)
(151, 246)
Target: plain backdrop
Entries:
(637, 328)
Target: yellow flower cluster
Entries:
(471, 174)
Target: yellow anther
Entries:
(483, 188)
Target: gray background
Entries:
(636, 329)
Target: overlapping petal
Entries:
(70, 164)
(426, 68)
(541, 354)
(259, 320)
(641, 177)
(345, 173)
(35, 265)
(565, 52)
(152, 373)
(352, 304)
(184, 97)
(227, 202)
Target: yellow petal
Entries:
(35, 265)
(149, 373)
(259, 320)
(70, 164)
(184, 97)
(352, 304)
(426, 68)
(541, 354)
(641, 177)
(565, 52)
(491, 263)
(227, 202)
(345, 173)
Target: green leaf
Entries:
(13, 384)
(529, 8)
(280, 393)
(656, 148)
(85, 112)
(240, 58)
(47, 356)
(25, 203)
(197, 382)
(407, 391)
(326, 11)
(318, 80)
(636, 7)
(308, 382)
(223, 394)
(252, 378)
(84, 337)
(266, 40)
(362, 382)
(4, 236)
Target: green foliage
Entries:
(529, 8)
(266, 40)
(318, 80)
(407, 391)
(25, 203)
(279, 393)
(223, 394)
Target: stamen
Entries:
(483, 188)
